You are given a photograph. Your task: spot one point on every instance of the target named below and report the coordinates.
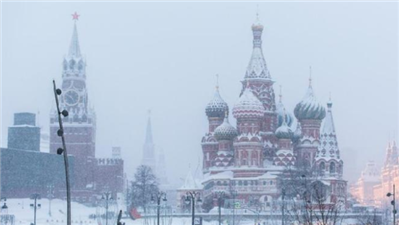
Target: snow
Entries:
(248, 105)
(80, 214)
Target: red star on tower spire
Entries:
(75, 16)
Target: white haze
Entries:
(164, 57)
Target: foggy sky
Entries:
(164, 57)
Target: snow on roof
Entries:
(190, 183)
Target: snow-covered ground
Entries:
(23, 213)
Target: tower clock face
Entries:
(71, 98)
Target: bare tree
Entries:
(144, 185)
(369, 218)
(306, 198)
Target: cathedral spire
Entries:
(391, 155)
(74, 48)
(329, 145)
(257, 68)
(149, 148)
(148, 136)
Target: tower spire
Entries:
(74, 48)
(310, 76)
(148, 136)
(281, 96)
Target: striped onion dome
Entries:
(248, 106)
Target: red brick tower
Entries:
(80, 125)
(249, 112)
(215, 111)
(310, 114)
(259, 81)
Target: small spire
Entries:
(217, 82)
(281, 95)
(74, 49)
(329, 103)
(148, 137)
(284, 115)
(310, 76)
(226, 116)
(257, 13)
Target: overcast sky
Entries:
(164, 57)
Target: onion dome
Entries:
(282, 113)
(248, 106)
(309, 108)
(283, 131)
(217, 106)
(225, 131)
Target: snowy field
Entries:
(24, 213)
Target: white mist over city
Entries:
(199, 113)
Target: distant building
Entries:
(24, 134)
(24, 169)
(363, 190)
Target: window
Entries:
(332, 167)
(322, 166)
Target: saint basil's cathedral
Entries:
(251, 157)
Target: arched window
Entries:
(322, 166)
(332, 167)
(71, 64)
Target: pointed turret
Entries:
(148, 148)
(328, 157)
(391, 155)
(74, 48)
(257, 68)
(328, 140)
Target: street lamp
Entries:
(4, 208)
(192, 197)
(35, 206)
(50, 196)
(393, 204)
(158, 197)
(4, 212)
(107, 197)
(60, 133)
(219, 195)
(234, 194)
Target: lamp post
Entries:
(107, 197)
(60, 133)
(50, 196)
(282, 206)
(192, 197)
(158, 197)
(393, 203)
(220, 196)
(234, 195)
(5, 218)
(35, 206)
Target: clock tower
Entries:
(80, 125)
